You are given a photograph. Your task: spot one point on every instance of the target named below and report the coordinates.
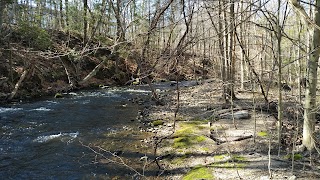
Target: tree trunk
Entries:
(279, 37)
(61, 22)
(310, 101)
(312, 70)
(94, 71)
(67, 14)
(221, 47)
(2, 6)
(117, 13)
(16, 87)
(85, 21)
(231, 65)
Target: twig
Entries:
(122, 163)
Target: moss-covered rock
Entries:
(58, 95)
(262, 133)
(295, 156)
(188, 134)
(157, 123)
(199, 173)
(187, 141)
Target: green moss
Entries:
(201, 127)
(238, 158)
(181, 142)
(183, 132)
(229, 158)
(204, 149)
(230, 161)
(262, 134)
(157, 123)
(186, 136)
(199, 138)
(198, 173)
(189, 127)
(178, 161)
(187, 141)
(220, 157)
(58, 95)
(295, 156)
(180, 150)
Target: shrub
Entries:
(34, 36)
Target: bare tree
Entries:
(312, 72)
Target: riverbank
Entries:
(47, 62)
(52, 61)
(206, 144)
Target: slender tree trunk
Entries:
(2, 7)
(242, 64)
(38, 15)
(279, 37)
(67, 14)
(299, 63)
(226, 47)
(231, 52)
(85, 21)
(61, 22)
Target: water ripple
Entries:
(3, 110)
(62, 136)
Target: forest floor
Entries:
(202, 146)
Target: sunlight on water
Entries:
(138, 91)
(42, 135)
(62, 136)
(41, 109)
(51, 102)
(100, 94)
(2, 110)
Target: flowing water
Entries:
(46, 139)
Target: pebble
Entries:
(169, 125)
(144, 158)
(264, 178)
(292, 177)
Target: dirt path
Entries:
(206, 147)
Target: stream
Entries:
(85, 135)
(46, 139)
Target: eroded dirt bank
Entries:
(35, 62)
(46, 62)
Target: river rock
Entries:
(243, 114)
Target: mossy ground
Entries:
(262, 134)
(157, 122)
(189, 134)
(199, 173)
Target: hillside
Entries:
(37, 62)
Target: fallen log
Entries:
(219, 140)
(16, 87)
(243, 114)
